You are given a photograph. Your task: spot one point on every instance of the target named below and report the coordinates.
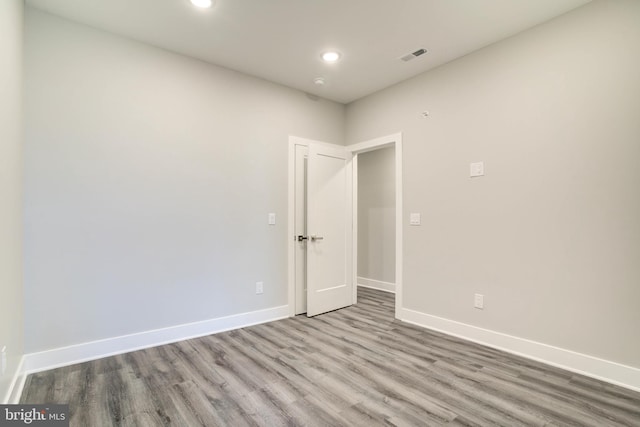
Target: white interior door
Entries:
(329, 228)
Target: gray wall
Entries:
(376, 215)
(551, 234)
(149, 177)
(11, 302)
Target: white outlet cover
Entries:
(415, 219)
(476, 169)
(272, 219)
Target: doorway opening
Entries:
(298, 272)
(376, 219)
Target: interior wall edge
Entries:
(11, 192)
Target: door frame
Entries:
(291, 238)
(394, 140)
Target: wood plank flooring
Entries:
(352, 367)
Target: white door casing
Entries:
(390, 140)
(394, 140)
(300, 219)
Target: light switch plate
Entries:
(478, 301)
(272, 219)
(476, 169)
(414, 219)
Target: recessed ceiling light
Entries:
(330, 56)
(204, 4)
(319, 81)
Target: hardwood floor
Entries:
(352, 367)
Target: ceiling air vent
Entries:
(409, 56)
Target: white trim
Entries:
(296, 140)
(604, 370)
(64, 356)
(354, 230)
(377, 284)
(394, 140)
(291, 223)
(375, 144)
(16, 386)
(399, 222)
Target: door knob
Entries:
(302, 238)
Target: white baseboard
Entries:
(17, 383)
(377, 284)
(611, 372)
(64, 356)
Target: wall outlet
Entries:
(3, 360)
(478, 301)
(476, 169)
(259, 287)
(414, 219)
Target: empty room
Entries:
(320, 212)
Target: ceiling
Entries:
(282, 40)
